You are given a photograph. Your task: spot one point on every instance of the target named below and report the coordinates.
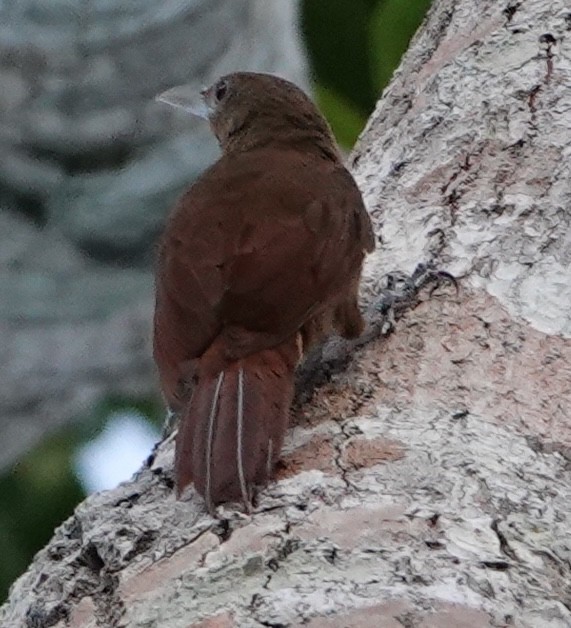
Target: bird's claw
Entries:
(425, 274)
(402, 291)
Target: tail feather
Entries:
(210, 438)
(240, 438)
(232, 431)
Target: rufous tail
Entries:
(232, 430)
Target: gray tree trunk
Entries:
(429, 483)
(89, 164)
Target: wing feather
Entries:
(263, 249)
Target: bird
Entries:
(260, 259)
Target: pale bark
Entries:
(427, 484)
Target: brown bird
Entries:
(259, 259)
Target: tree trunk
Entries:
(428, 483)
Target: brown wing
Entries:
(257, 244)
(298, 251)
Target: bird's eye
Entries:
(220, 90)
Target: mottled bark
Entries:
(427, 484)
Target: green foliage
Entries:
(392, 25)
(343, 115)
(354, 48)
(336, 34)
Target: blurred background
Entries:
(89, 165)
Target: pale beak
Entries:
(185, 97)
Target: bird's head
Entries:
(246, 109)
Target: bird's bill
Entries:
(186, 98)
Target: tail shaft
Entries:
(240, 439)
(232, 431)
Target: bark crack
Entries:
(505, 547)
(510, 10)
(549, 41)
(442, 24)
(457, 187)
(287, 546)
(339, 445)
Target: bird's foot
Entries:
(402, 292)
